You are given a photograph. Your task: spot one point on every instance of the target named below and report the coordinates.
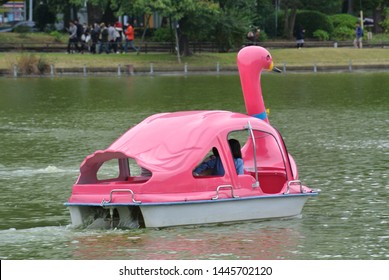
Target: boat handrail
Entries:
(294, 182)
(250, 128)
(224, 187)
(103, 202)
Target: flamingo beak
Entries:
(274, 69)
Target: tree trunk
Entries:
(184, 45)
(177, 44)
(148, 16)
(289, 20)
(286, 21)
(350, 7)
(292, 20)
(377, 16)
(94, 13)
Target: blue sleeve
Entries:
(239, 166)
(209, 164)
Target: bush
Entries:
(57, 36)
(343, 33)
(50, 27)
(343, 20)
(22, 29)
(312, 21)
(321, 35)
(163, 35)
(385, 23)
(32, 65)
(269, 25)
(229, 31)
(262, 36)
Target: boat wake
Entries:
(7, 172)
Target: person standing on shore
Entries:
(130, 39)
(104, 43)
(300, 32)
(358, 36)
(119, 35)
(95, 35)
(80, 32)
(112, 38)
(72, 37)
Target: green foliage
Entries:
(49, 28)
(225, 22)
(57, 36)
(379, 38)
(324, 6)
(22, 29)
(321, 35)
(345, 20)
(229, 31)
(385, 23)
(343, 33)
(312, 21)
(43, 16)
(262, 36)
(198, 25)
(269, 25)
(163, 34)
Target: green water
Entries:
(335, 125)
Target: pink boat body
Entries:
(169, 146)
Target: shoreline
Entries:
(129, 70)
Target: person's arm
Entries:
(239, 166)
(209, 164)
(73, 31)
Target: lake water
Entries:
(335, 125)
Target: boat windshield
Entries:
(268, 153)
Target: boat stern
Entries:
(105, 217)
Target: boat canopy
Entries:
(176, 142)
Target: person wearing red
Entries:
(130, 39)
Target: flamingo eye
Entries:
(268, 57)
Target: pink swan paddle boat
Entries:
(147, 177)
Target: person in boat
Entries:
(215, 164)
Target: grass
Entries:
(290, 57)
(331, 56)
(35, 38)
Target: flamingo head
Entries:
(258, 58)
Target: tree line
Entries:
(226, 22)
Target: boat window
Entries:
(134, 168)
(108, 170)
(137, 171)
(122, 170)
(241, 135)
(268, 151)
(211, 165)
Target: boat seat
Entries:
(270, 181)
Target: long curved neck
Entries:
(250, 78)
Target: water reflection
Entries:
(240, 241)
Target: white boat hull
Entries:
(222, 211)
(158, 215)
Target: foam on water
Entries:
(30, 171)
